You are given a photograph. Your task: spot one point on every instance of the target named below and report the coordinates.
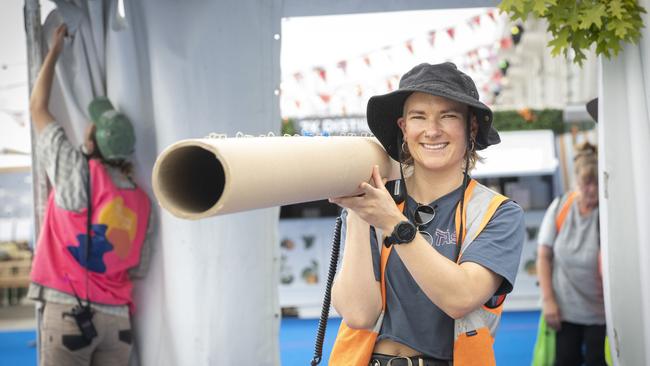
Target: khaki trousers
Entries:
(62, 343)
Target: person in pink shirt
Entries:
(94, 235)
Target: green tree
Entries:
(578, 24)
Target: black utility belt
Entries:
(378, 359)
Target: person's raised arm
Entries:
(455, 289)
(356, 294)
(40, 98)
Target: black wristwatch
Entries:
(403, 233)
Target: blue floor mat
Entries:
(17, 348)
(513, 346)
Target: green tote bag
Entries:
(544, 352)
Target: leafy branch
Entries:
(578, 24)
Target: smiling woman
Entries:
(433, 301)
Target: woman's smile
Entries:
(434, 147)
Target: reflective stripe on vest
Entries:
(564, 205)
(474, 333)
(353, 347)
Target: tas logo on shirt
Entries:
(444, 237)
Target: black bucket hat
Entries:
(443, 80)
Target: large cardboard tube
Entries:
(198, 178)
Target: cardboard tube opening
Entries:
(192, 179)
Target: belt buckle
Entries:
(408, 360)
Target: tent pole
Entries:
(33, 34)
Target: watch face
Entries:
(405, 231)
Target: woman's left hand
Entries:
(375, 205)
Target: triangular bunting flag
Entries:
(409, 46)
(321, 72)
(506, 42)
(366, 59)
(451, 32)
(343, 65)
(325, 97)
(432, 38)
(389, 84)
(490, 13)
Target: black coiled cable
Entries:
(325, 311)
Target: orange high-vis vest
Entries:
(474, 333)
(564, 210)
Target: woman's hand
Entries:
(375, 205)
(552, 314)
(40, 98)
(58, 39)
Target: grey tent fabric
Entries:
(80, 70)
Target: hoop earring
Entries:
(472, 145)
(405, 147)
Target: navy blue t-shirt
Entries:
(410, 317)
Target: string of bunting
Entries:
(479, 59)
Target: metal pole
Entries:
(33, 34)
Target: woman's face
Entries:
(588, 187)
(434, 129)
